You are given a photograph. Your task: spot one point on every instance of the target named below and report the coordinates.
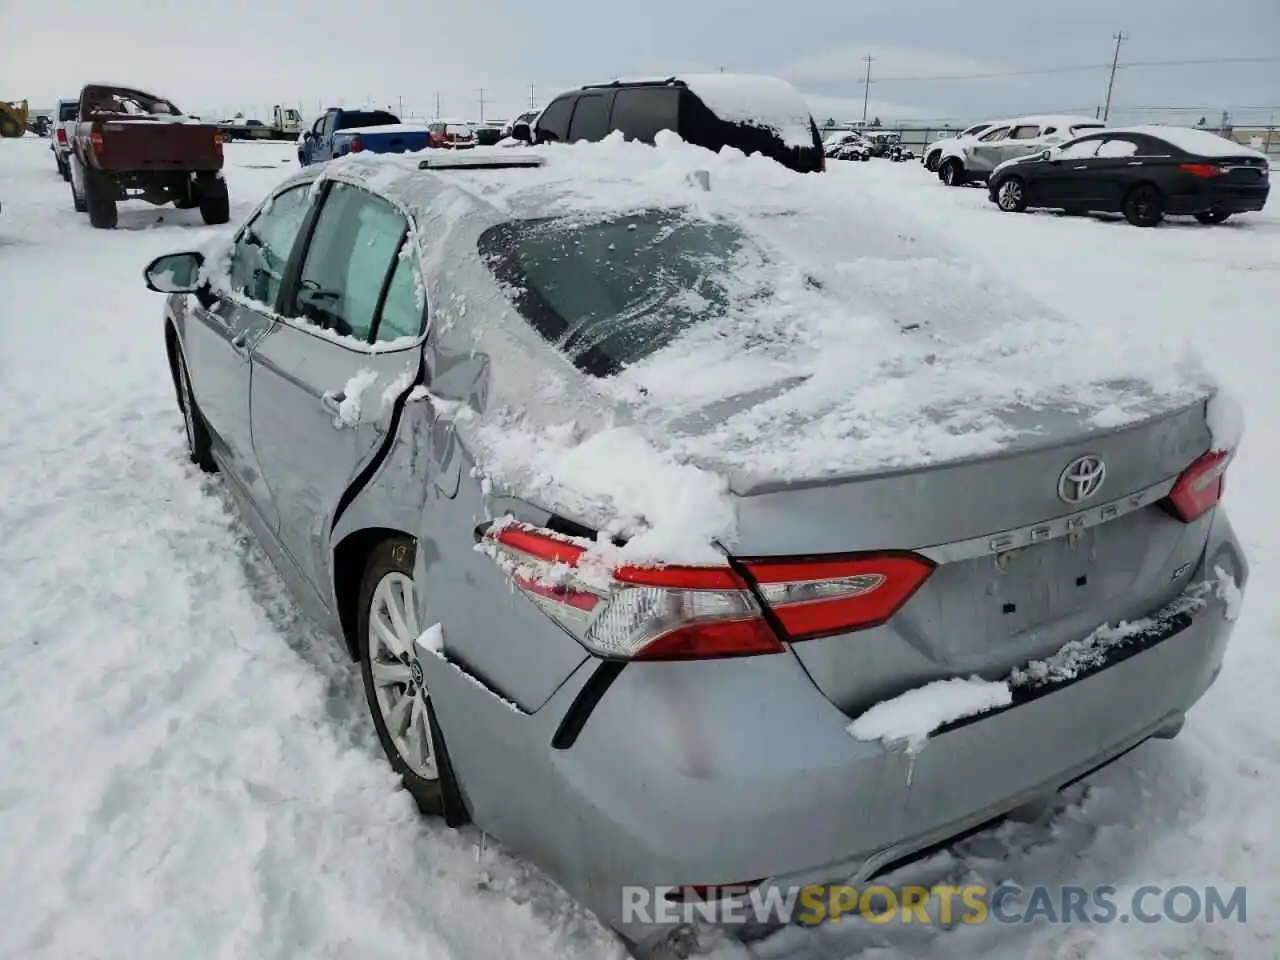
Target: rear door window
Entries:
(1028, 131)
(1117, 147)
(68, 111)
(263, 248)
(1080, 150)
(403, 308)
(349, 261)
(553, 125)
(995, 135)
(590, 118)
(640, 112)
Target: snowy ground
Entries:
(188, 768)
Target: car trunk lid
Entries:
(1034, 547)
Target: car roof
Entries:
(1061, 120)
(1188, 139)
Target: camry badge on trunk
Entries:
(1081, 479)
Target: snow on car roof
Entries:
(1062, 120)
(855, 340)
(1201, 142)
(760, 100)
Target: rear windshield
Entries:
(68, 111)
(366, 118)
(612, 292)
(127, 103)
(458, 129)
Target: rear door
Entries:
(641, 112)
(218, 341)
(1023, 140)
(1117, 165)
(326, 381)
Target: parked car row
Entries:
(1081, 165)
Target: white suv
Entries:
(970, 159)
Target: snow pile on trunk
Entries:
(756, 100)
(912, 716)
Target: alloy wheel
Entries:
(1009, 196)
(397, 677)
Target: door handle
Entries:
(332, 403)
(1083, 166)
(239, 343)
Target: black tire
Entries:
(931, 163)
(438, 797)
(199, 443)
(951, 172)
(64, 170)
(77, 199)
(1212, 216)
(216, 209)
(99, 202)
(1144, 205)
(1011, 195)
(186, 203)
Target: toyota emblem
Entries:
(1081, 479)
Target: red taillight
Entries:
(1200, 486)
(356, 145)
(62, 136)
(217, 139)
(1205, 170)
(634, 612)
(95, 138)
(696, 612)
(821, 597)
(822, 164)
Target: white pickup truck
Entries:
(61, 133)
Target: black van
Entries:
(641, 108)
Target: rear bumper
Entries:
(1232, 199)
(730, 771)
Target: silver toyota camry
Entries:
(401, 367)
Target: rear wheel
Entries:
(215, 205)
(952, 173)
(931, 163)
(1011, 195)
(99, 201)
(1144, 206)
(63, 170)
(1212, 216)
(387, 626)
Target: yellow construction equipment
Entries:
(13, 118)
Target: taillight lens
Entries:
(1205, 170)
(1200, 486)
(95, 138)
(695, 612)
(824, 596)
(357, 145)
(62, 136)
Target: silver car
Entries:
(693, 727)
(968, 159)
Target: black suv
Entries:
(642, 108)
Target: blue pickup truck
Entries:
(339, 132)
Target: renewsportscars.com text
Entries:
(940, 905)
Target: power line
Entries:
(1078, 68)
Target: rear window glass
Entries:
(370, 118)
(126, 103)
(610, 293)
(68, 111)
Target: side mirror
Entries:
(522, 132)
(174, 273)
(308, 135)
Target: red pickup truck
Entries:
(128, 144)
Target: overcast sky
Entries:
(221, 56)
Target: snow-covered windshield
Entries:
(611, 292)
(358, 120)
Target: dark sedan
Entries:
(1145, 173)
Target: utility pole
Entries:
(1115, 60)
(482, 104)
(532, 102)
(866, 88)
(437, 116)
(400, 113)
